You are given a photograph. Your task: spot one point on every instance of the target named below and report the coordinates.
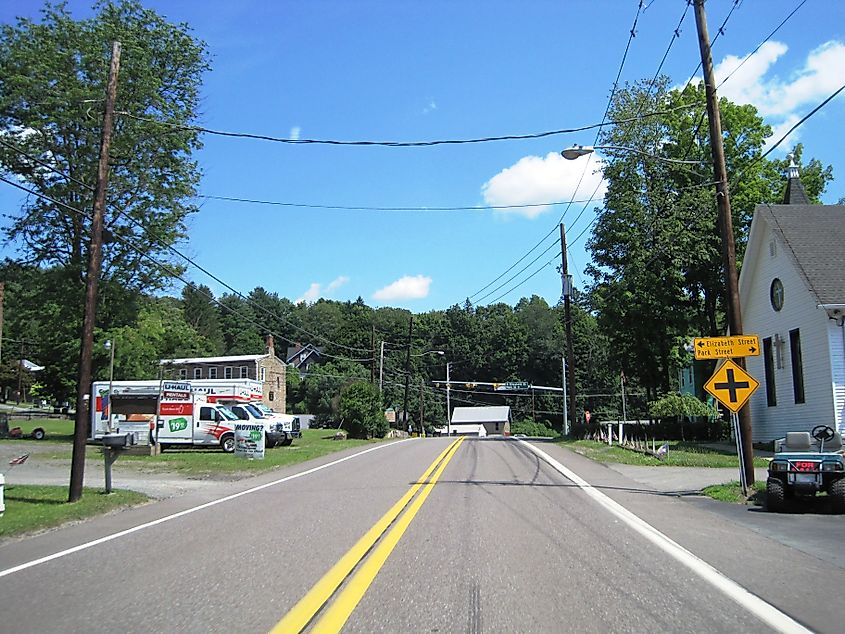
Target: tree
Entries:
(53, 82)
(361, 410)
(656, 252)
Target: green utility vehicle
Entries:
(806, 463)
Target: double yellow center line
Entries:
(340, 610)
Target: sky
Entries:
(397, 70)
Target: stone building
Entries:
(266, 368)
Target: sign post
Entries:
(732, 387)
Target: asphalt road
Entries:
(503, 542)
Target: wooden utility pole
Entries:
(407, 371)
(373, 362)
(422, 406)
(80, 432)
(723, 201)
(567, 317)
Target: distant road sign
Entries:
(731, 385)
(513, 385)
(726, 347)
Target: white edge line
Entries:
(167, 518)
(766, 612)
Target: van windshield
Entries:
(227, 413)
(264, 409)
(255, 411)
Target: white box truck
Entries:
(184, 416)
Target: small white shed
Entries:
(481, 421)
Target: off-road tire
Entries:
(38, 433)
(775, 497)
(836, 492)
(227, 443)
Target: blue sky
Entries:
(420, 71)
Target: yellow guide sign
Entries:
(731, 385)
(726, 347)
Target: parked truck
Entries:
(245, 398)
(185, 417)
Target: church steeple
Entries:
(795, 194)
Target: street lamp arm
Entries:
(577, 151)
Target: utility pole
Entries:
(422, 407)
(373, 348)
(80, 434)
(723, 201)
(407, 371)
(567, 317)
(563, 384)
(381, 368)
(20, 374)
(448, 404)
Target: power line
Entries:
(385, 208)
(365, 143)
(166, 268)
(760, 45)
(172, 249)
(631, 36)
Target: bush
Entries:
(532, 428)
(360, 407)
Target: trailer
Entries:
(169, 412)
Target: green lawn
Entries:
(681, 454)
(31, 508)
(57, 430)
(198, 462)
(732, 492)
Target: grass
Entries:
(203, 462)
(681, 454)
(732, 493)
(31, 508)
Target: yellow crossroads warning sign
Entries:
(731, 385)
(726, 347)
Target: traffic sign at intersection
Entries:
(726, 347)
(731, 385)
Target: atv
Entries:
(806, 463)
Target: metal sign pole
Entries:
(738, 436)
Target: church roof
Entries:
(814, 235)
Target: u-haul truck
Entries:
(185, 417)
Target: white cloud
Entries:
(782, 102)
(311, 295)
(779, 129)
(295, 132)
(535, 179)
(407, 287)
(336, 283)
(316, 291)
(431, 107)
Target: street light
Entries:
(577, 151)
(110, 347)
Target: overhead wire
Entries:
(370, 143)
(385, 208)
(676, 33)
(190, 261)
(167, 269)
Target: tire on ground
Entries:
(837, 495)
(774, 495)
